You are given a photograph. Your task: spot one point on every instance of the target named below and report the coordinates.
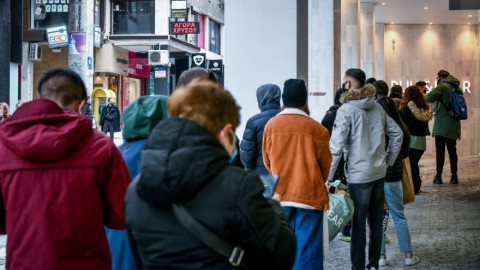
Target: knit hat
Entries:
(294, 93)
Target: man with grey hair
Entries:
(359, 133)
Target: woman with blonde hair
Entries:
(416, 112)
(4, 111)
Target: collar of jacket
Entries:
(293, 111)
(420, 114)
(356, 94)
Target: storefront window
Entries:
(193, 39)
(133, 17)
(214, 39)
(97, 16)
(46, 13)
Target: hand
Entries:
(276, 197)
(327, 184)
(386, 165)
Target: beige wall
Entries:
(50, 60)
(419, 51)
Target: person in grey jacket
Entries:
(268, 97)
(359, 133)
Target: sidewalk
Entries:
(444, 223)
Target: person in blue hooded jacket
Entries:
(268, 97)
(139, 118)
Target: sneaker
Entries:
(438, 180)
(454, 179)
(345, 239)
(411, 260)
(382, 261)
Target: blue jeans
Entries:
(308, 227)
(394, 198)
(368, 201)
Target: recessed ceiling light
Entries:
(392, 23)
(430, 23)
(425, 7)
(383, 3)
(470, 15)
(468, 23)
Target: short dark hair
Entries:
(396, 91)
(196, 73)
(443, 74)
(420, 83)
(370, 80)
(381, 87)
(358, 75)
(62, 92)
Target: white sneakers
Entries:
(382, 261)
(408, 260)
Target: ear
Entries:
(224, 137)
(80, 106)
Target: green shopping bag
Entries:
(340, 212)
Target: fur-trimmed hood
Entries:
(420, 114)
(362, 97)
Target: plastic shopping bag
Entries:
(339, 214)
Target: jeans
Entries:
(108, 127)
(394, 198)
(308, 227)
(415, 155)
(452, 153)
(368, 201)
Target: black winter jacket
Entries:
(415, 126)
(268, 97)
(183, 163)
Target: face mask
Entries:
(343, 86)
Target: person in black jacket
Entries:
(110, 118)
(393, 190)
(268, 98)
(187, 160)
(87, 109)
(416, 112)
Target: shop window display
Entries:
(133, 17)
(46, 13)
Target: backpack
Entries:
(457, 107)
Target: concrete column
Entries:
(367, 38)
(350, 29)
(5, 51)
(27, 75)
(80, 31)
(321, 51)
(303, 42)
(379, 51)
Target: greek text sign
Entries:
(180, 28)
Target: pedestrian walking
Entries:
(61, 181)
(87, 108)
(268, 98)
(110, 118)
(185, 165)
(446, 130)
(4, 111)
(295, 147)
(416, 112)
(359, 133)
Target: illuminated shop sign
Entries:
(57, 36)
(465, 85)
(180, 28)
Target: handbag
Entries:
(234, 254)
(407, 183)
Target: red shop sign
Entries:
(181, 28)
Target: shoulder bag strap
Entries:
(233, 254)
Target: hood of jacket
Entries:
(451, 80)
(141, 116)
(41, 130)
(361, 98)
(178, 159)
(268, 93)
(419, 113)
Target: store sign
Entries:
(57, 36)
(160, 72)
(215, 66)
(465, 85)
(178, 9)
(199, 60)
(96, 36)
(180, 28)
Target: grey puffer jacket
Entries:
(359, 132)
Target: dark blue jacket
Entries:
(268, 97)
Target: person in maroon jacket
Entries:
(60, 181)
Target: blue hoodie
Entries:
(268, 97)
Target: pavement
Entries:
(444, 223)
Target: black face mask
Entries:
(343, 87)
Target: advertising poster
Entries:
(77, 42)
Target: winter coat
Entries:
(183, 163)
(61, 182)
(114, 112)
(296, 148)
(359, 132)
(268, 97)
(329, 118)
(416, 119)
(444, 125)
(87, 111)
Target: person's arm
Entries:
(340, 133)
(327, 121)
(324, 156)
(264, 229)
(248, 147)
(266, 146)
(113, 190)
(395, 136)
(435, 94)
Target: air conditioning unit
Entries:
(35, 53)
(158, 57)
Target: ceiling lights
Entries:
(425, 7)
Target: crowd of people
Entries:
(183, 192)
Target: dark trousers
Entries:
(415, 155)
(368, 201)
(108, 126)
(440, 143)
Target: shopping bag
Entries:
(407, 183)
(340, 212)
